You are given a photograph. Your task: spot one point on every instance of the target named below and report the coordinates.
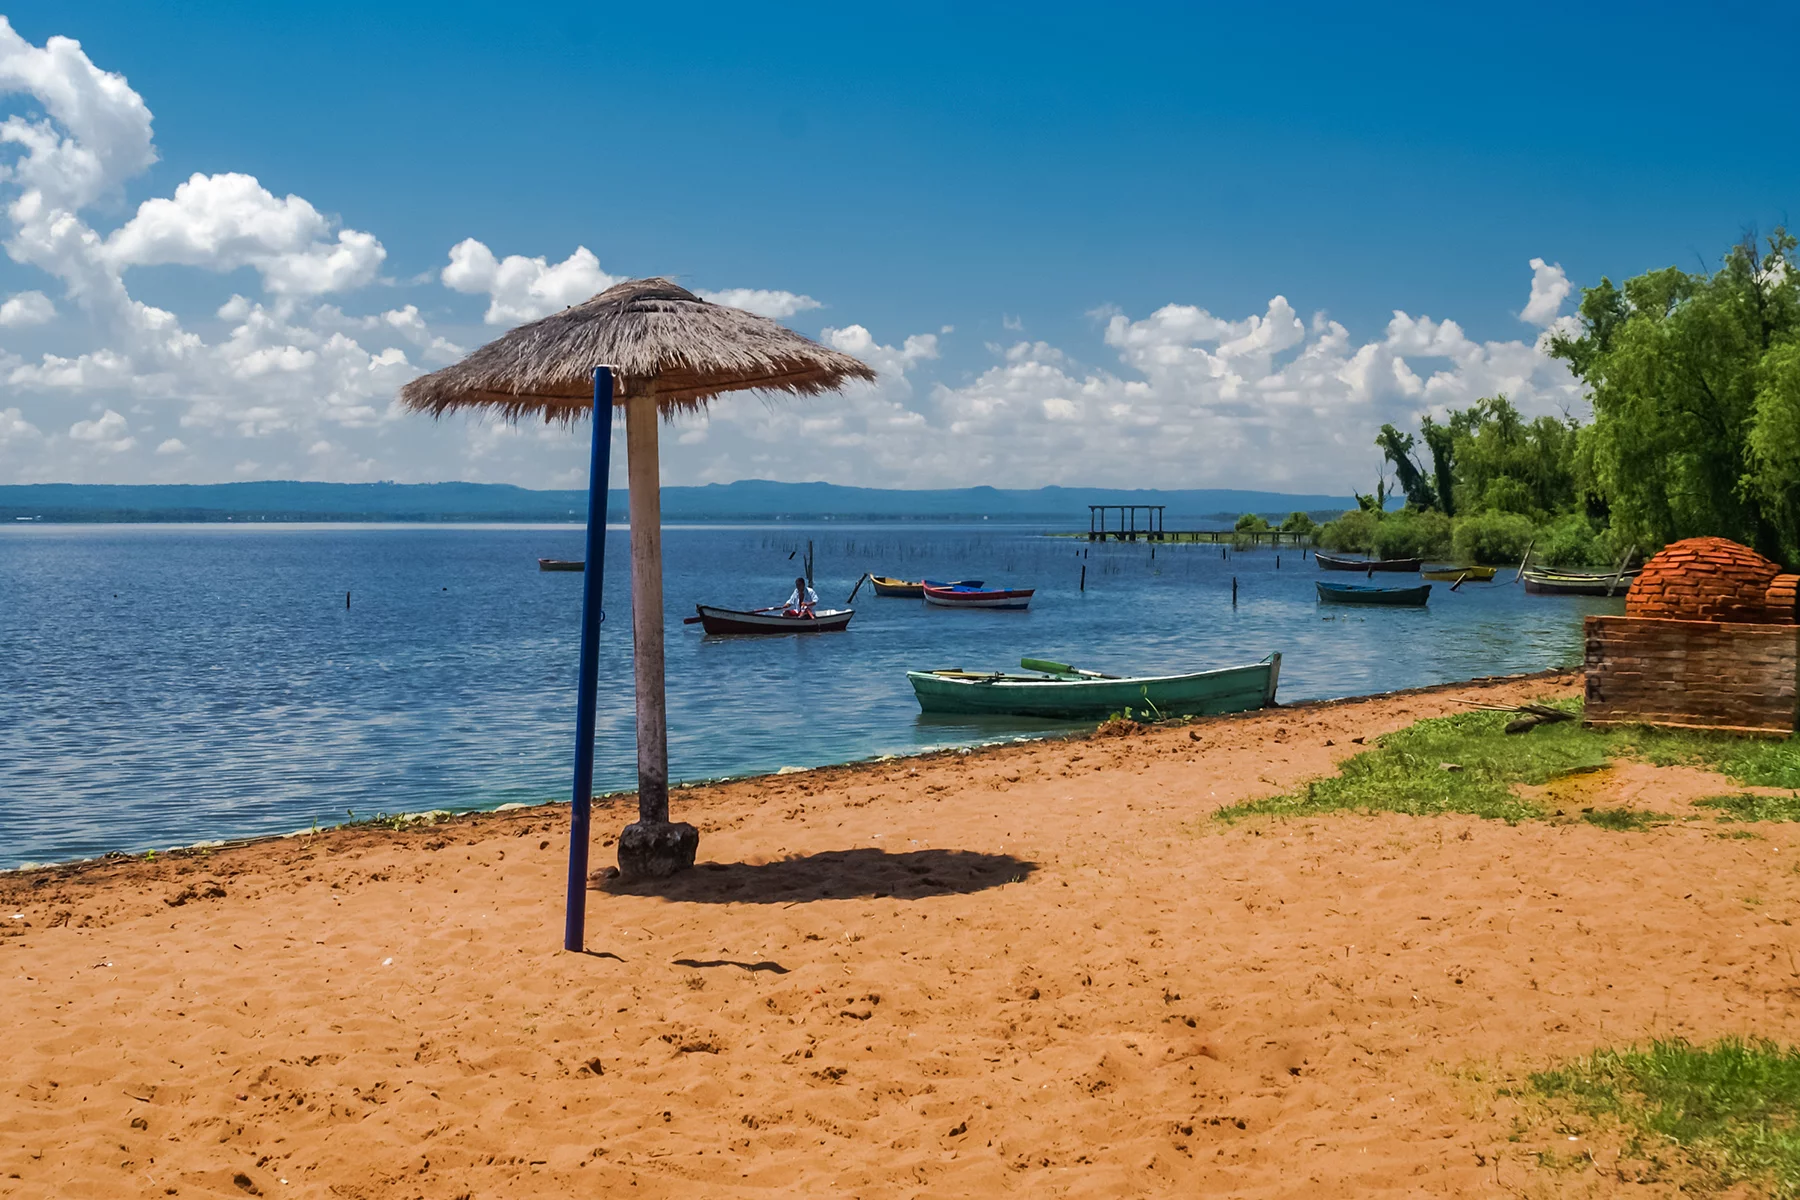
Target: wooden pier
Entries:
(1151, 529)
(1128, 530)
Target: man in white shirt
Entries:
(800, 604)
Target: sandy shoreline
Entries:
(1032, 968)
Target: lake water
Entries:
(162, 685)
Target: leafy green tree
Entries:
(1495, 538)
(1775, 440)
(1503, 463)
(1398, 447)
(1412, 533)
(1684, 371)
(1299, 523)
(1354, 532)
(1441, 441)
(1251, 523)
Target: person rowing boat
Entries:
(800, 604)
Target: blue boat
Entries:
(1362, 593)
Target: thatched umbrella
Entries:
(652, 348)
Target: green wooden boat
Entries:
(1061, 692)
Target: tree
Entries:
(1693, 383)
(1441, 441)
(1775, 440)
(1300, 523)
(1505, 464)
(1397, 447)
(1251, 523)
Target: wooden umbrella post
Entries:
(651, 847)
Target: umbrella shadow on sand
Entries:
(867, 872)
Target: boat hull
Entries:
(912, 590)
(731, 621)
(1350, 593)
(1558, 583)
(1330, 562)
(1452, 574)
(1205, 693)
(952, 597)
(560, 564)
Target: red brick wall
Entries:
(1712, 674)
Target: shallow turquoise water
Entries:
(161, 685)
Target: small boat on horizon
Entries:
(1333, 562)
(1452, 574)
(1544, 581)
(963, 595)
(1061, 692)
(561, 564)
(1390, 597)
(768, 620)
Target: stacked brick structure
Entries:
(1712, 579)
(1709, 641)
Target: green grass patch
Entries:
(1622, 819)
(1744, 806)
(1466, 763)
(1731, 1108)
(1754, 762)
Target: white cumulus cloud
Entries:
(15, 430)
(763, 302)
(1549, 288)
(109, 432)
(523, 289)
(26, 308)
(223, 222)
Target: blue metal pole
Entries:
(593, 573)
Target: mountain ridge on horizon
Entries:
(744, 499)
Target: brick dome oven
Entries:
(1713, 579)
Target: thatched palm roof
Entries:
(659, 336)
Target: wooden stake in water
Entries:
(1234, 591)
(1084, 577)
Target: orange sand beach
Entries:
(1035, 969)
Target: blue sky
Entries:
(1005, 172)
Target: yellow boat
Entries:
(911, 589)
(884, 586)
(1452, 574)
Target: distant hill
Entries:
(748, 499)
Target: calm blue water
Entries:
(161, 685)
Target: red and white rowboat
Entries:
(728, 620)
(969, 597)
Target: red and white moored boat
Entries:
(963, 596)
(771, 620)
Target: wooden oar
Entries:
(1056, 668)
(856, 589)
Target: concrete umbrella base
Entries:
(656, 850)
